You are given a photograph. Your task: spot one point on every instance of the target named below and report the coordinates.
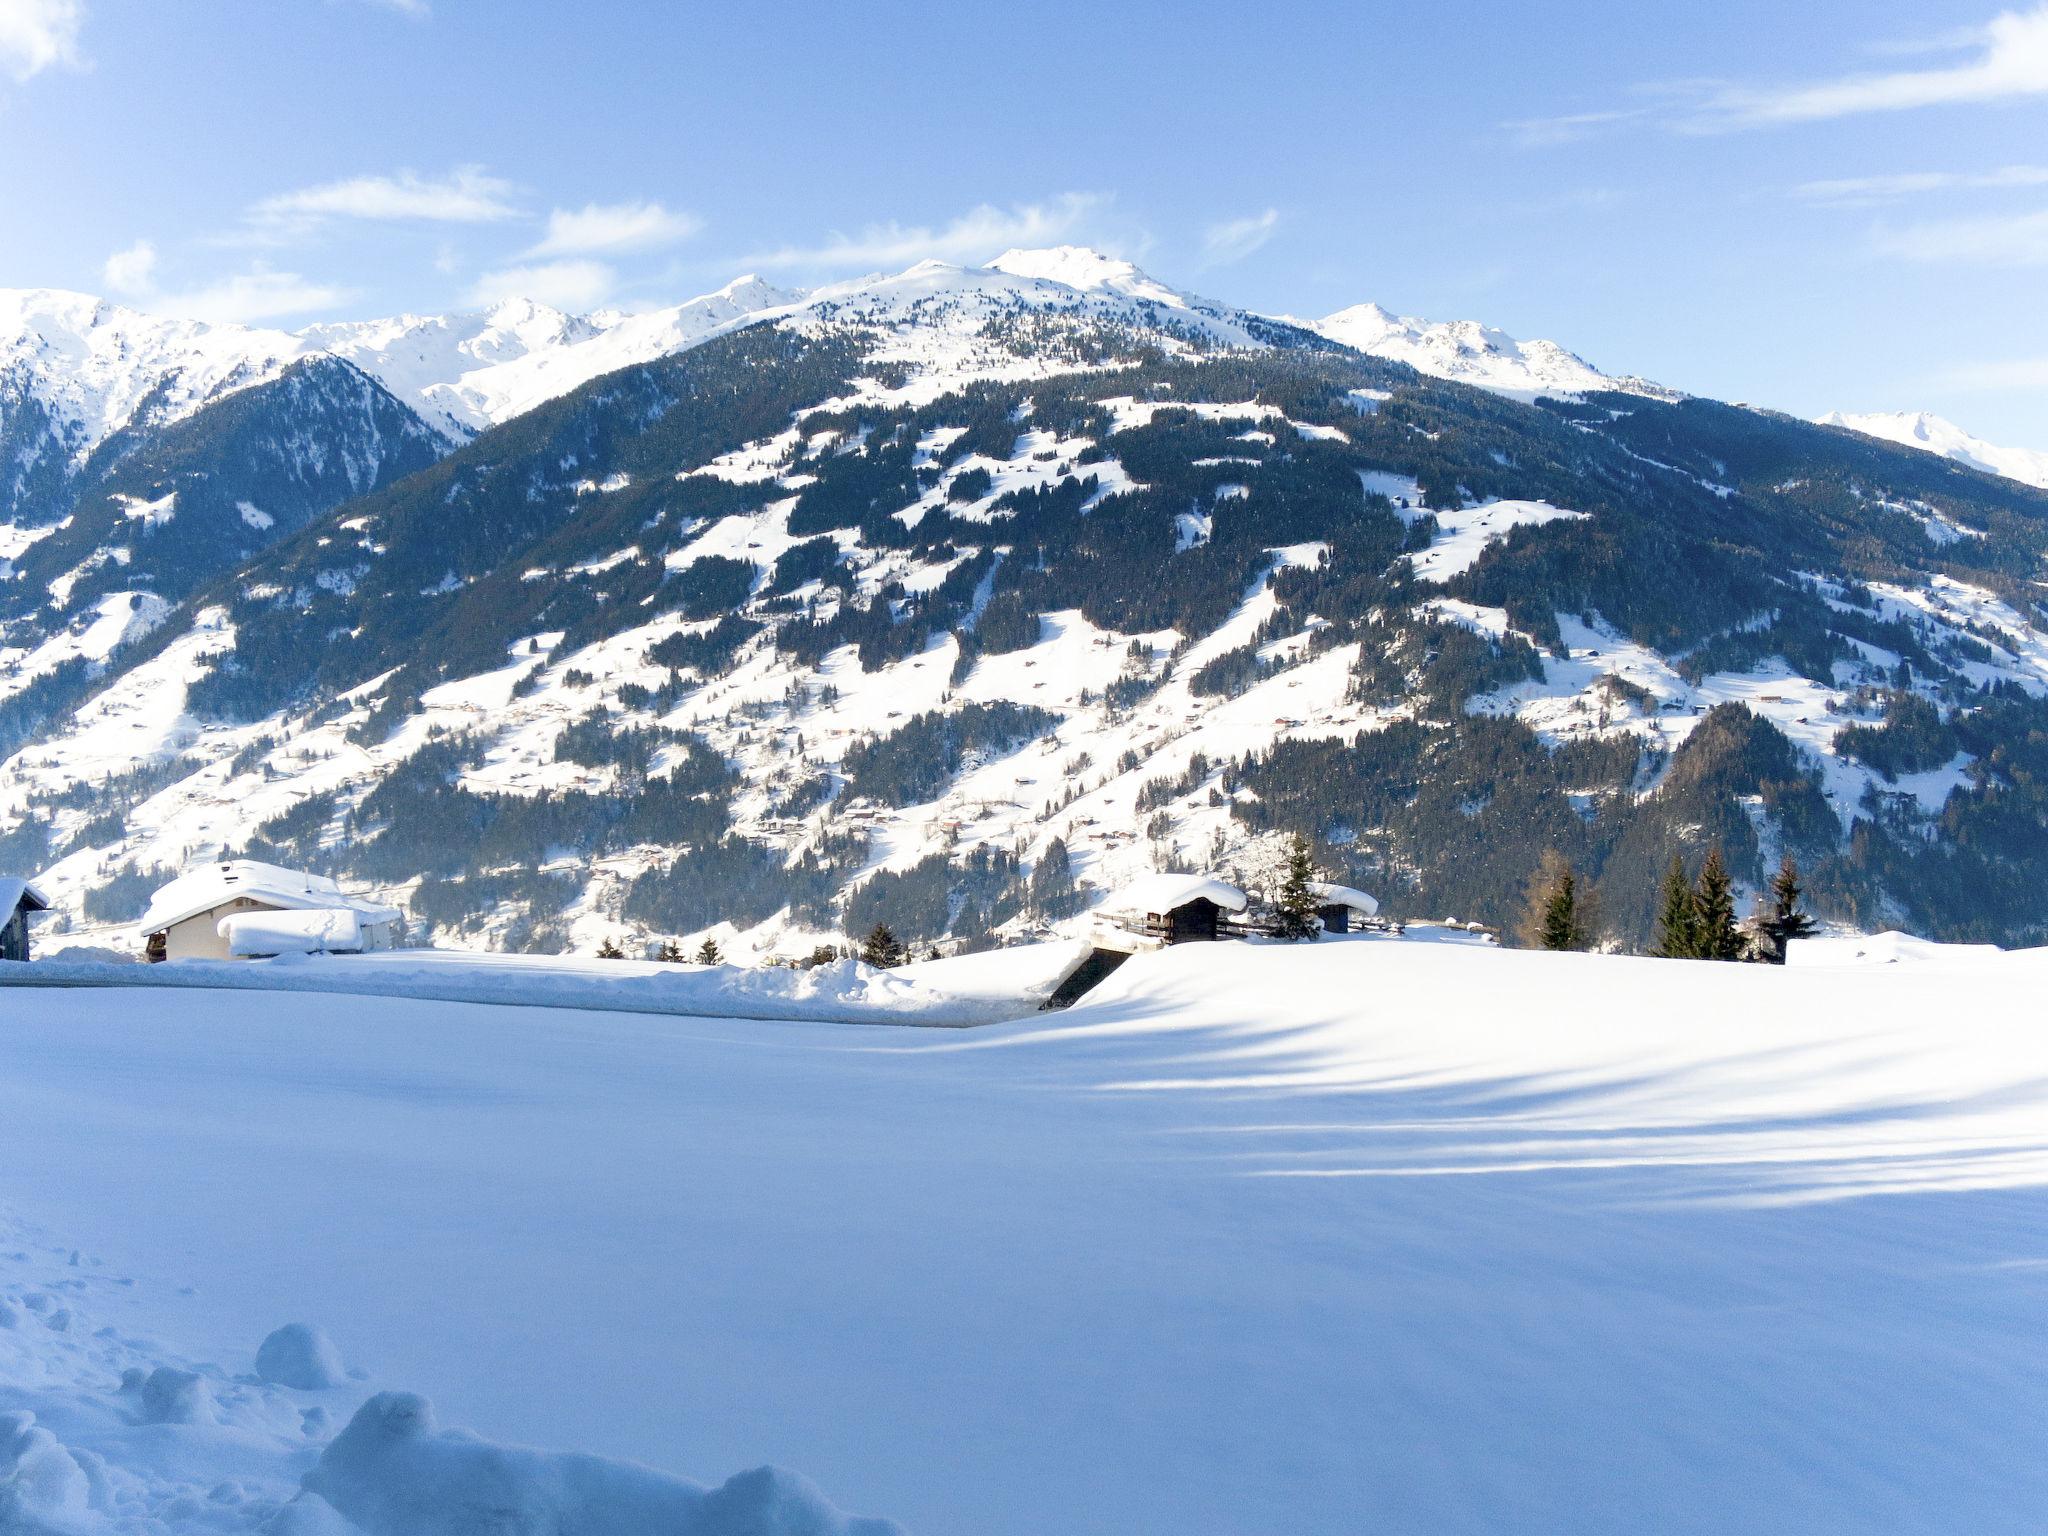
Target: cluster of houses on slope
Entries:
(246, 910)
(1182, 909)
(238, 910)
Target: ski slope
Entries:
(1364, 1236)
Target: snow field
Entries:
(1388, 1236)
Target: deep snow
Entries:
(1389, 1237)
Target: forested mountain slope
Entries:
(955, 597)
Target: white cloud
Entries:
(977, 235)
(132, 272)
(2009, 58)
(2003, 60)
(465, 196)
(1862, 191)
(38, 34)
(614, 227)
(251, 296)
(1542, 132)
(574, 285)
(2021, 373)
(1235, 239)
(2016, 240)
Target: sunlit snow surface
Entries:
(1364, 1236)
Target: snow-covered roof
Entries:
(17, 892)
(309, 931)
(1330, 895)
(214, 885)
(1163, 892)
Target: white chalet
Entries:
(235, 910)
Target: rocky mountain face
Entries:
(955, 597)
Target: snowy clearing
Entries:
(1361, 1236)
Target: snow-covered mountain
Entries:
(956, 596)
(1475, 354)
(1934, 434)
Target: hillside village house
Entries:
(246, 910)
(17, 899)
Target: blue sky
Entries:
(1811, 207)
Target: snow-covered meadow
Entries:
(1364, 1236)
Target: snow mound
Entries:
(844, 992)
(41, 1487)
(172, 1396)
(300, 1356)
(393, 1472)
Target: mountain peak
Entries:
(1935, 434)
(1089, 270)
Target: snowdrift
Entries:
(973, 989)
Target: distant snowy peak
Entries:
(1933, 434)
(471, 371)
(1471, 353)
(92, 365)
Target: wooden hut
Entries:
(1175, 909)
(18, 898)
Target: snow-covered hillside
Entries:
(1354, 1236)
(1922, 429)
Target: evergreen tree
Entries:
(881, 948)
(1779, 919)
(1560, 911)
(610, 951)
(1677, 916)
(1053, 893)
(1715, 936)
(671, 952)
(708, 953)
(1294, 912)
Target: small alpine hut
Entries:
(1340, 907)
(1176, 909)
(18, 898)
(245, 910)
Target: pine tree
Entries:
(610, 951)
(1559, 911)
(1294, 912)
(881, 948)
(1715, 936)
(708, 953)
(1779, 919)
(671, 952)
(1677, 916)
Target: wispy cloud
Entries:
(571, 284)
(132, 272)
(2005, 59)
(466, 195)
(241, 297)
(614, 227)
(977, 235)
(1235, 239)
(1569, 128)
(2014, 240)
(1866, 191)
(2020, 373)
(36, 35)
